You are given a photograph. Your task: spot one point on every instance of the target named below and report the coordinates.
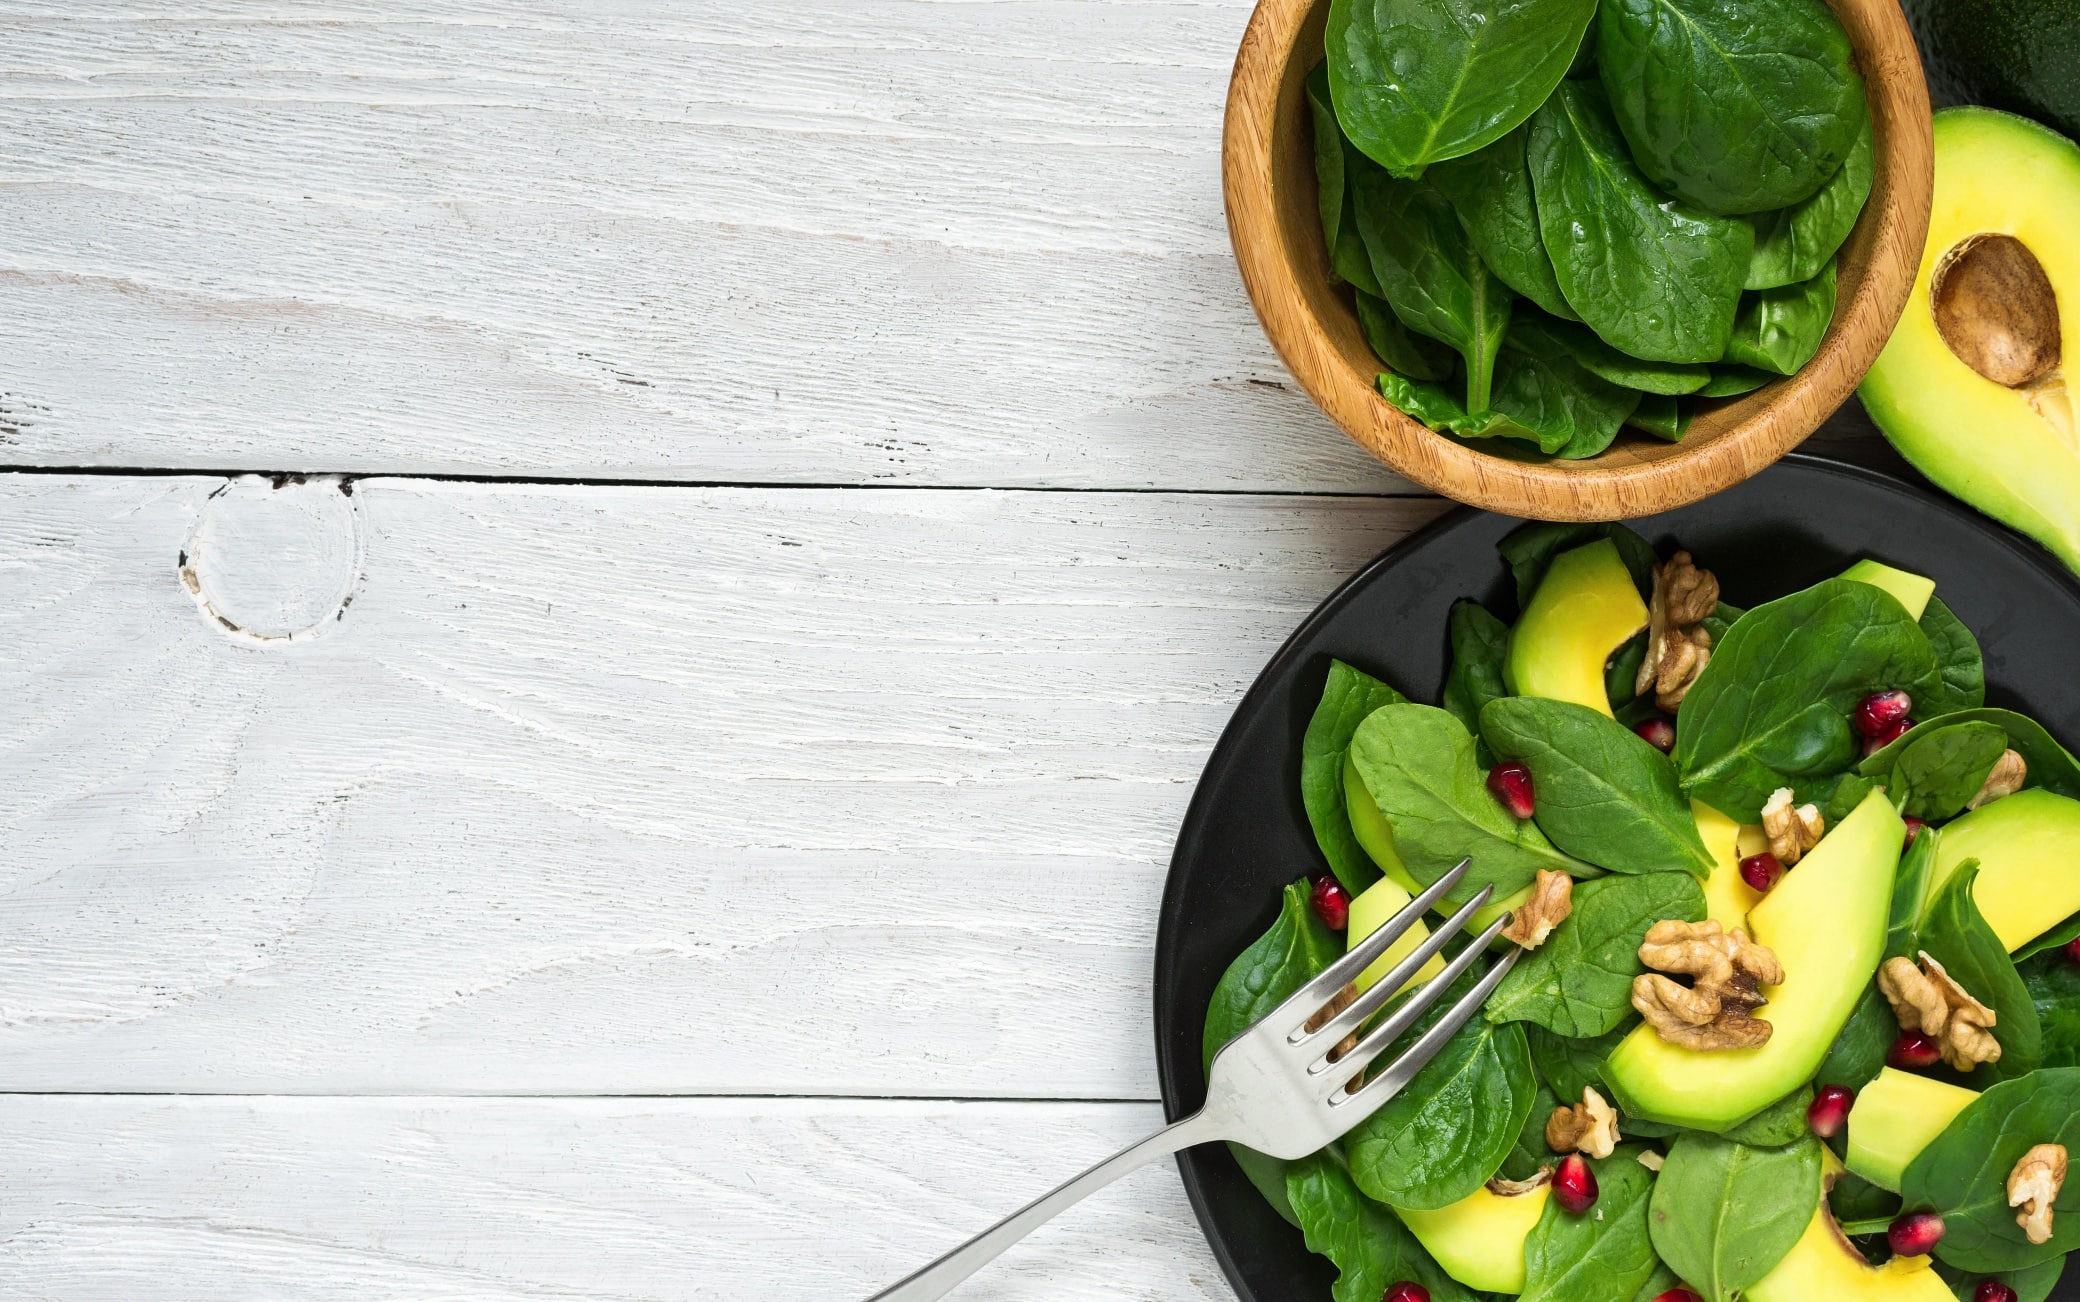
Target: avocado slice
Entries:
(2024, 845)
(1895, 1117)
(1911, 590)
(1369, 912)
(1824, 1264)
(1479, 1240)
(1826, 920)
(1971, 387)
(1585, 608)
(1727, 898)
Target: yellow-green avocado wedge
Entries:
(1909, 589)
(1585, 608)
(2013, 453)
(1823, 1266)
(2025, 847)
(1479, 1240)
(1826, 922)
(1895, 1117)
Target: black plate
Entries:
(1246, 834)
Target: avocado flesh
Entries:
(1895, 1117)
(1826, 921)
(1369, 912)
(1910, 590)
(1479, 1240)
(1823, 1266)
(1584, 609)
(2024, 845)
(2013, 454)
(1727, 898)
(1376, 838)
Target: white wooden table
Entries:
(607, 611)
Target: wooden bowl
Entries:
(1267, 164)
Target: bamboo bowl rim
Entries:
(1267, 176)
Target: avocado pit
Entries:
(1996, 310)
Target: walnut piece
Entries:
(2033, 1186)
(1552, 899)
(1791, 832)
(1343, 999)
(1539, 1179)
(1652, 1160)
(1727, 972)
(1677, 648)
(2008, 775)
(1928, 1000)
(1590, 1127)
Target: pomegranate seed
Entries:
(1829, 1110)
(1872, 745)
(1992, 1290)
(1574, 1184)
(2072, 951)
(1677, 1295)
(1511, 784)
(1881, 712)
(1761, 871)
(1407, 1292)
(1913, 1051)
(1914, 826)
(1915, 1234)
(1332, 902)
(1657, 732)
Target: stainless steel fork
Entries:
(1275, 1087)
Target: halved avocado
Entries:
(1911, 590)
(1376, 838)
(1895, 1117)
(1727, 898)
(1369, 912)
(1585, 608)
(1479, 1240)
(1826, 921)
(1971, 387)
(2024, 844)
(1823, 1266)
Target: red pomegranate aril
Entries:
(1657, 732)
(1992, 1290)
(1872, 745)
(1882, 712)
(2072, 951)
(1407, 1292)
(1511, 784)
(1914, 826)
(1677, 1295)
(1332, 903)
(1913, 1051)
(1574, 1184)
(1915, 1234)
(1761, 871)
(1829, 1110)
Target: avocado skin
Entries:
(2018, 55)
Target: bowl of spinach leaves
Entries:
(1578, 259)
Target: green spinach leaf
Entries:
(1418, 357)
(1963, 1173)
(1724, 1213)
(1347, 697)
(1371, 1249)
(1418, 763)
(1333, 197)
(1603, 1254)
(1439, 409)
(1781, 1123)
(2053, 983)
(1571, 1064)
(1666, 378)
(1419, 81)
(1447, 1133)
(2065, 933)
(1792, 244)
(1956, 935)
(1859, 1048)
(1937, 773)
(1431, 276)
(1957, 656)
(1661, 1281)
(1780, 329)
(1529, 550)
(1654, 277)
(1848, 794)
(1732, 381)
(1555, 400)
(2051, 766)
(1490, 189)
(1579, 983)
(1605, 794)
(1480, 643)
(1531, 1151)
(1737, 108)
(1772, 708)
(1912, 884)
(1662, 416)
(2031, 1285)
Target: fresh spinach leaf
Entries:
(1603, 1254)
(1662, 416)
(1621, 673)
(1792, 244)
(1439, 409)
(1605, 794)
(1737, 108)
(1854, 1198)
(2065, 933)
(1417, 761)
(1579, 983)
(1956, 935)
(1480, 644)
(1608, 363)
(1848, 794)
(1431, 276)
(1347, 697)
(2053, 983)
(1571, 1064)
(1490, 189)
(1859, 1048)
(1370, 1248)
(1661, 1281)
(2051, 766)
(1554, 399)
(1937, 773)
(2031, 1285)
(1957, 656)
(1772, 708)
(1912, 884)
(1732, 381)
(1780, 329)
(1418, 357)
(1531, 1151)
(1419, 81)
(1333, 197)
(1781, 1123)
(1448, 1132)
(1963, 1173)
(1529, 550)
(1653, 276)
(1725, 1213)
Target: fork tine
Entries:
(1351, 1066)
(1396, 978)
(1309, 998)
(1396, 1078)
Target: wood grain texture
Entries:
(453, 787)
(1268, 163)
(634, 1200)
(853, 241)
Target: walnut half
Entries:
(1678, 647)
(1928, 1000)
(1590, 1127)
(1727, 971)
(2033, 1186)
(1552, 899)
(1791, 832)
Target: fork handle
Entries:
(939, 1278)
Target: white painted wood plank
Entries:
(590, 789)
(842, 241)
(329, 1200)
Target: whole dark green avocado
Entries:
(2018, 55)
